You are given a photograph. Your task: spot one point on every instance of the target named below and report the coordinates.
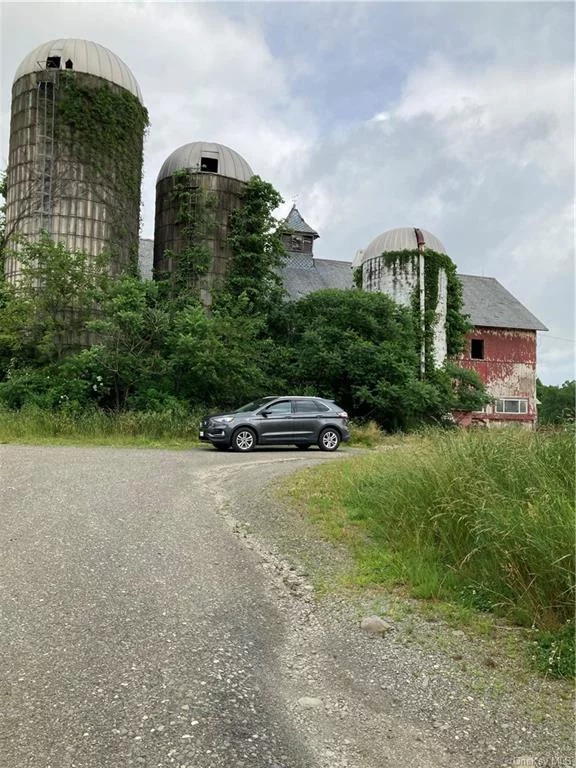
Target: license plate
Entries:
(201, 433)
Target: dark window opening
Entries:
(53, 62)
(209, 164)
(477, 349)
(296, 243)
(69, 64)
(306, 406)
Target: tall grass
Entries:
(485, 518)
(170, 427)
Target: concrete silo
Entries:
(404, 264)
(75, 158)
(198, 187)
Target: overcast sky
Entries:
(453, 117)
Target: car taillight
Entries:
(343, 415)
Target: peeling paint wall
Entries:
(508, 370)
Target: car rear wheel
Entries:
(329, 440)
(244, 440)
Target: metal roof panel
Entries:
(86, 56)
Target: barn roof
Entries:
(490, 305)
(301, 275)
(486, 301)
(296, 223)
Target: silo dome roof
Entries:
(229, 162)
(401, 239)
(85, 56)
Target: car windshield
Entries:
(255, 405)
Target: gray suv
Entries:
(301, 421)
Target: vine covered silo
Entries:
(199, 185)
(412, 267)
(75, 159)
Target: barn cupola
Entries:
(298, 239)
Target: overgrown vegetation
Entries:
(557, 404)
(485, 519)
(103, 128)
(72, 338)
(196, 223)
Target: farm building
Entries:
(501, 348)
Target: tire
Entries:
(303, 446)
(244, 440)
(329, 439)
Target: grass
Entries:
(484, 520)
(166, 429)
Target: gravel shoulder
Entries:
(425, 693)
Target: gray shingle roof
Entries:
(489, 304)
(299, 281)
(486, 302)
(296, 223)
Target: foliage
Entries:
(44, 317)
(557, 404)
(359, 349)
(175, 425)
(255, 239)
(196, 222)
(483, 518)
(555, 651)
(103, 128)
(3, 194)
(357, 276)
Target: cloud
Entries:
(480, 156)
(203, 75)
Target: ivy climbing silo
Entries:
(412, 267)
(199, 186)
(75, 159)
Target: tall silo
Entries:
(198, 187)
(75, 158)
(395, 263)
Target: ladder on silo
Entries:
(45, 126)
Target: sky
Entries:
(455, 117)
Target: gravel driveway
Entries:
(157, 610)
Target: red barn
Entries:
(502, 350)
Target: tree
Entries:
(256, 244)
(557, 404)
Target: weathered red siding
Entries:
(508, 370)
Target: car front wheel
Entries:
(243, 440)
(329, 440)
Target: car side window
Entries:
(306, 406)
(284, 406)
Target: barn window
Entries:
(53, 62)
(209, 164)
(296, 243)
(512, 405)
(69, 64)
(477, 349)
